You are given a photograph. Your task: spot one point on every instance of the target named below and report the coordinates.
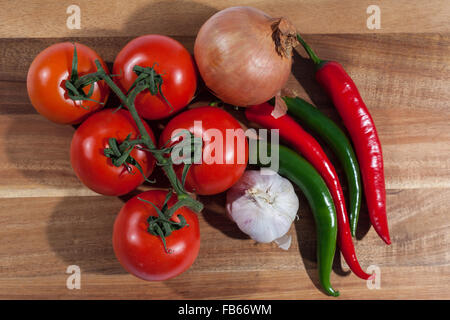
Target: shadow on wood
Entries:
(80, 231)
(307, 245)
(180, 13)
(364, 224)
(215, 215)
(307, 241)
(303, 70)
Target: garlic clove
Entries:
(284, 242)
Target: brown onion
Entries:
(244, 55)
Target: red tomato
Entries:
(96, 170)
(143, 254)
(46, 83)
(214, 174)
(173, 62)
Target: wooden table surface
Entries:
(49, 220)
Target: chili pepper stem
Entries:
(308, 50)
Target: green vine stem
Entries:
(184, 198)
(76, 84)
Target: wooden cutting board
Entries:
(49, 220)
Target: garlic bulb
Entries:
(263, 204)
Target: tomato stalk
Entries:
(121, 154)
(184, 199)
(151, 80)
(161, 225)
(76, 84)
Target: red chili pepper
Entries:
(359, 123)
(304, 143)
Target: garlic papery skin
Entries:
(263, 204)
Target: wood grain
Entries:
(406, 91)
(49, 220)
(45, 235)
(37, 18)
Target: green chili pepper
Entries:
(302, 173)
(338, 142)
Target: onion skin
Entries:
(244, 56)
